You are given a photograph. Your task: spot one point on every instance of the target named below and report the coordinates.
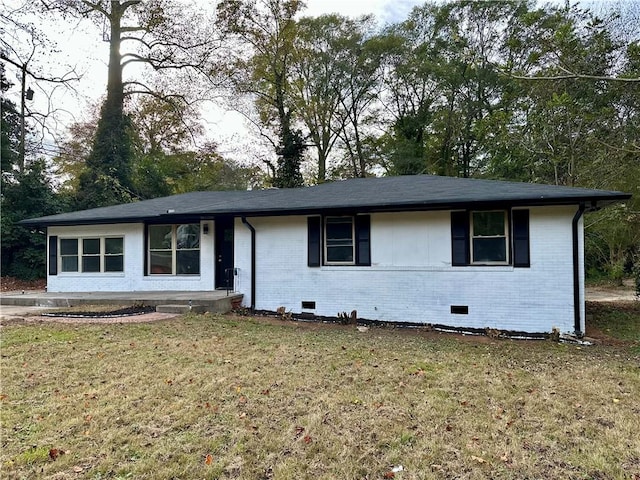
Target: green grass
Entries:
(293, 400)
(619, 320)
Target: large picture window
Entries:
(174, 249)
(92, 255)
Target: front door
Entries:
(224, 252)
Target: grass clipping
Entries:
(225, 397)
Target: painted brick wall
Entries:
(411, 277)
(132, 279)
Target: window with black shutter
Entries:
(486, 237)
(339, 240)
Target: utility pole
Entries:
(25, 94)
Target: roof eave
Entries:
(591, 203)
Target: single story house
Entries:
(421, 249)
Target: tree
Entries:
(411, 89)
(11, 132)
(164, 159)
(168, 37)
(26, 193)
(333, 77)
(26, 48)
(260, 37)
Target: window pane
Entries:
(489, 250)
(91, 264)
(113, 246)
(339, 229)
(70, 264)
(188, 236)
(160, 237)
(160, 262)
(188, 262)
(114, 263)
(486, 224)
(91, 246)
(69, 246)
(340, 254)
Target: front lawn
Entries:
(236, 397)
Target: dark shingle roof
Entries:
(418, 192)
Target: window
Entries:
(69, 255)
(339, 247)
(174, 249)
(489, 237)
(92, 255)
(343, 240)
(113, 254)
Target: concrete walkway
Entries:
(13, 304)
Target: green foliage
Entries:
(290, 153)
(106, 179)
(26, 195)
(10, 128)
(267, 29)
(636, 273)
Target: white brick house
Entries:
(418, 249)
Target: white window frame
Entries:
(353, 240)
(174, 250)
(80, 255)
(472, 237)
(105, 255)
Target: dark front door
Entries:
(224, 252)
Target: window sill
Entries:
(90, 274)
(168, 276)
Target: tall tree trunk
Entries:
(115, 90)
(107, 180)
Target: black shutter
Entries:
(363, 240)
(459, 238)
(313, 241)
(520, 238)
(145, 254)
(53, 255)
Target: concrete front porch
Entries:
(217, 301)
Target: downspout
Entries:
(577, 304)
(253, 262)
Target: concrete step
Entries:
(181, 309)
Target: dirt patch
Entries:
(140, 318)
(607, 292)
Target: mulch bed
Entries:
(12, 284)
(120, 312)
